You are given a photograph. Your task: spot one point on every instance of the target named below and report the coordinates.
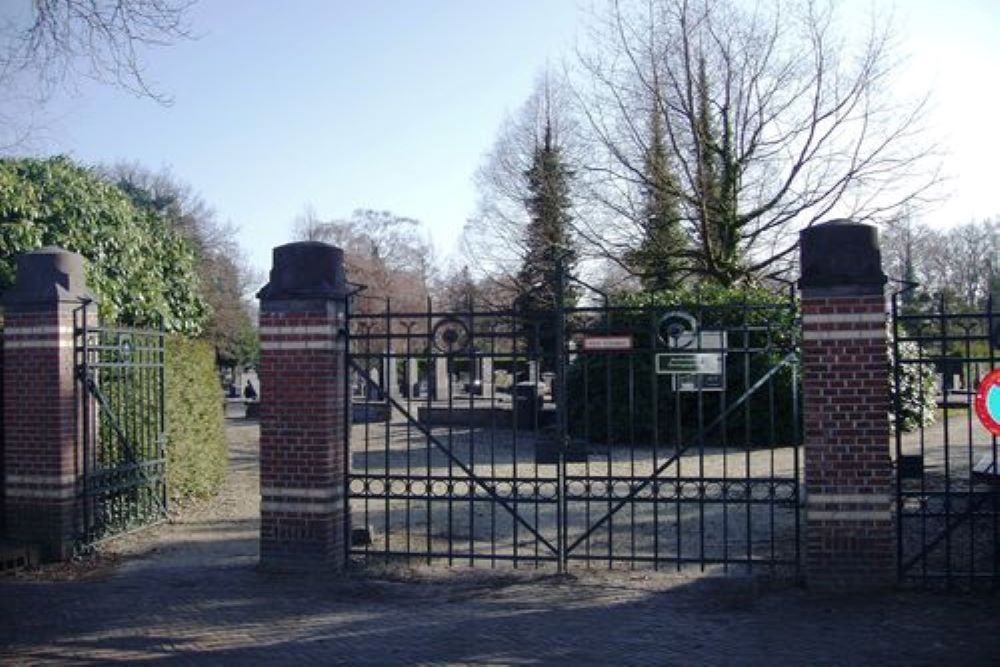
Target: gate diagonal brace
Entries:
(954, 523)
(87, 378)
(682, 450)
(363, 373)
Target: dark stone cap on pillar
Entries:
(842, 258)
(46, 276)
(305, 271)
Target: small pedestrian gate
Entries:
(663, 436)
(121, 378)
(948, 486)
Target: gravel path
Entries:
(189, 593)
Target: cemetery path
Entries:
(189, 592)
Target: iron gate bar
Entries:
(980, 499)
(941, 346)
(124, 485)
(454, 459)
(766, 494)
(791, 356)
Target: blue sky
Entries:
(391, 104)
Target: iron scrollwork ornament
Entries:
(451, 336)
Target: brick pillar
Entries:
(303, 410)
(850, 533)
(42, 456)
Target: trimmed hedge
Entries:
(196, 437)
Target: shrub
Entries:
(917, 389)
(196, 439)
(618, 399)
(140, 266)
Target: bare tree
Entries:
(102, 39)
(45, 44)
(386, 253)
(958, 264)
(224, 273)
(773, 120)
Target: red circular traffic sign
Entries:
(988, 402)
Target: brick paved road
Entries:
(189, 593)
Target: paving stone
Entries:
(189, 593)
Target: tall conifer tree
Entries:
(549, 246)
(659, 258)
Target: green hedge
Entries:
(196, 438)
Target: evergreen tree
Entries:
(547, 236)
(548, 244)
(718, 185)
(659, 260)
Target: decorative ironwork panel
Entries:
(121, 375)
(549, 438)
(948, 486)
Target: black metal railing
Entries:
(948, 489)
(491, 436)
(120, 374)
(3, 471)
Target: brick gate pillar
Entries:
(303, 409)
(43, 464)
(850, 535)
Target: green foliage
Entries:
(222, 279)
(196, 439)
(619, 399)
(917, 393)
(547, 237)
(247, 352)
(549, 246)
(140, 267)
(659, 258)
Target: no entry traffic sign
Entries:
(988, 402)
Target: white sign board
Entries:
(686, 363)
(607, 343)
(697, 361)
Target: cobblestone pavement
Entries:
(189, 592)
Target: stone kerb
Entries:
(850, 532)
(303, 410)
(43, 465)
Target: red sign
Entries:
(607, 343)
(988, 402)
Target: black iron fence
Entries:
(948, 505)
(3, 472)
(121, 376)
(665, 435)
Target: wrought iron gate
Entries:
(948, 486)
(664, 435)
(3, 474)
(121, 378)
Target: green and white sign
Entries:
(697, 361)
(686, 363)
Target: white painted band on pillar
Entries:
(300, 330)
(303, 345)
(848, 515)
(843, 318)
(844, 334)
(849, 499)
